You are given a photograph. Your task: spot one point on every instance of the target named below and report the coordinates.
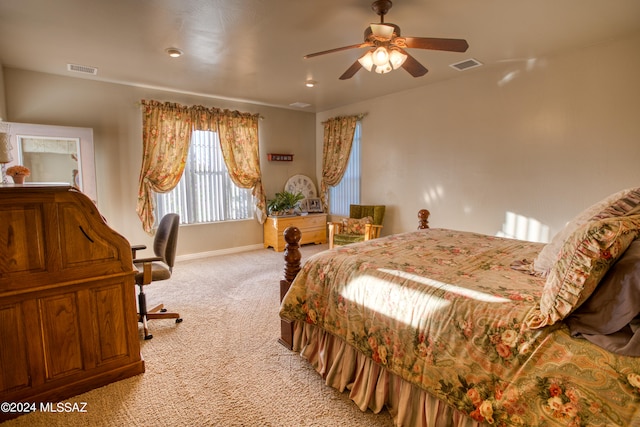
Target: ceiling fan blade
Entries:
(451, 45)
(355, 67)
(339, 49)
(413, 67)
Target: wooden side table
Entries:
(312, 226)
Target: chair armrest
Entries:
(147, 260)
(371, 231)
(136, 248)
(337, 226)
(147, 272)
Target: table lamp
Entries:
(5, 150)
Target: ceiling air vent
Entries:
(82, 69)
(466, 64)
(300, 105)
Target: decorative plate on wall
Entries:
(301, 184)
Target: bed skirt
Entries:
(370, 386)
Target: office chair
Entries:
(157, 268)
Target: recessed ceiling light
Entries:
(174, 52)
(310, 83)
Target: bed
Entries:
(446, 327)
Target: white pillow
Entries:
(549, 253)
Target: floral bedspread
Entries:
(444, 310)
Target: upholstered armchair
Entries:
(364, 223)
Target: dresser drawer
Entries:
(314, 236)
(314, 221)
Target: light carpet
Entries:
(223, 365)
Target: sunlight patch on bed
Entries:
(376, 293)
(467, 293)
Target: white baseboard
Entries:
(219, 252)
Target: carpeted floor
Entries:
(223, 365)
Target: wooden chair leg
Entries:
(157, 308)
(367, 232)
(331, 233)
(159, 314)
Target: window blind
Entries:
(205, 192)
(347, 192)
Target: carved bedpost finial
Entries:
(423, 219)
(292, 256)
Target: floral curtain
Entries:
(239, 141)
(338, 136)
(166, 132)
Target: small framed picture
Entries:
(314, 205)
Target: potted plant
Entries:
(18, 173)
(284, 203)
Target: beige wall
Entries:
(3, 113)
(113, 112)
(536, 142)
(541, 140)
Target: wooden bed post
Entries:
(292, 256)
(423, 219)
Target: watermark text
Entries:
(26, 407)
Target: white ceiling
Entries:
(252, 50)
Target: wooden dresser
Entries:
(68, 321)
(312, 226)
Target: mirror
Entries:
(55, 154)
(51, 159)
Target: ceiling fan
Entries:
(388, 47)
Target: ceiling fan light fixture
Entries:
(397, 58)
(384, 69)
(367, 60)
(380, 56)
(382, 30)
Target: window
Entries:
(347, 192)
(205, 192)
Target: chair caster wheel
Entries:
(178, 320)
(164, 310)
(148, 337)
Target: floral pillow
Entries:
(615, 302)
(620, 203)
(355, 226)
(583, 260)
